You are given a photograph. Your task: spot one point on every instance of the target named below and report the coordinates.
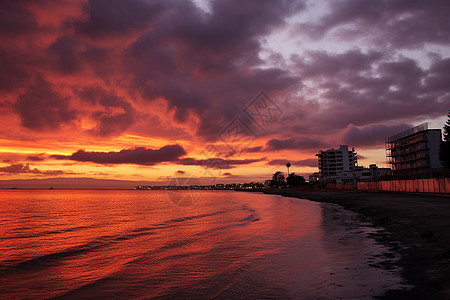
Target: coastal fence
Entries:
(431, 185)
(339, 186)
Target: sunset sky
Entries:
(222, 91)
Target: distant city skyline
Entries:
(220, 91)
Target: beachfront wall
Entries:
(431, 185)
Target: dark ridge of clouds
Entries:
(253, 149)
(25, 169)
(40, 107)
(38, 157)
(371, 135)
(309, 162)
(216, 163)
(295, 143)
(397, 22)
(227, 174)
(137, 156)
(180, 172)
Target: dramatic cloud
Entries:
(114, 117)
(138, 156)
(371, 135)
(398, 22)
(40, 107)
(363, 88)
(94, 73)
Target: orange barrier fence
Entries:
(339, 186)
(431, 185)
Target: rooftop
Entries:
(408, 132)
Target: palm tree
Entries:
(288, 165)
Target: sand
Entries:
(419, 222)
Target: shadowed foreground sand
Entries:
(420, 222)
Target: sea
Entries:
(141, 244)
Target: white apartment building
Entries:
(336, 161)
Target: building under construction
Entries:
(414, 153)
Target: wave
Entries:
(50, 259)
(48, 232)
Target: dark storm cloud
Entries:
(204, 63)
(200, 62)
(12, 75)
(295, 143)
(137, 156)
(116, 115)
(309, 162)
(208, 65)
(15, 19)
(371, 135)
(116, 17)
(437, 81)
(40, 107)
(63, 54)
(320, 64)
(401, 23)
(370, 87)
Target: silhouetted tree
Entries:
(295, 180)
(444, 149)
(277, 179)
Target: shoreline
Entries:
(419, 222)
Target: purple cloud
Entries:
(138, 156)
(25, 168)
(40, 107)
(371, 135)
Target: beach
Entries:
(419, 222)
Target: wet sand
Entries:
(419, 222)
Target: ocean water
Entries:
(186, 245)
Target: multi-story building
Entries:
(335, 161)
(373, 173)
(414, 153)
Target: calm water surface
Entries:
(229, 245)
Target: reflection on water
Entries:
(76, 244)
